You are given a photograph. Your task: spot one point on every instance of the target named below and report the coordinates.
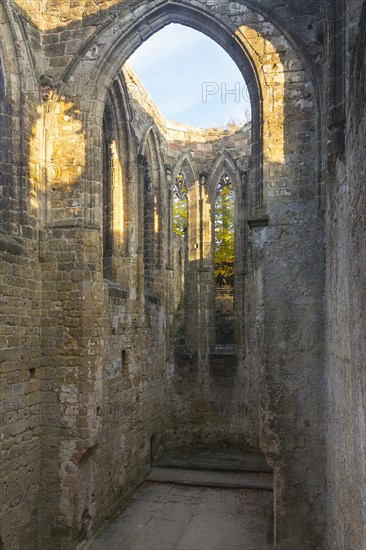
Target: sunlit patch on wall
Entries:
(57, 149)
(272, 76)
(52, 14)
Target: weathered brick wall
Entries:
(71, 373)
(105, 381)
(345, 372)
(134, 405)
(21, 409)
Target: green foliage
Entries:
(224, 233)
(180, 206)
(180, 215)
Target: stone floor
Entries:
(196, 500)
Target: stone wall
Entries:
(109, 381)
(345, 360)
(20, 385)
(91, 385)
(207, 402)
(21, 410)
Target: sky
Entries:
(191, 78)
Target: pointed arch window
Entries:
(113, 189)
(224, 259)
(180, 204)
(153, 210)
(224, 234)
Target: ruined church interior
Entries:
(182, 307)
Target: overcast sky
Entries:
(190, 78)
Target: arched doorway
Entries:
(272, 187)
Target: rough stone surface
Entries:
(345, 412)
(93, 387)
(169, 516)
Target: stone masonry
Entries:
(93, 384)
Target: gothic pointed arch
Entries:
(151, 160)
(249, 43)
(285, 120)
(18, 87)
(224, 163)
(182, 180)
(185, 162)
(112, 191)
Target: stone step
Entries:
(212, 478)
(214, 457)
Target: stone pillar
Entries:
(72, 294)
(200, 310)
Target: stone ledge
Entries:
(72, 224)
(212, 478)
(260, 220)
(13, 245)
(115, 291)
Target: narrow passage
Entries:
(197, 498)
